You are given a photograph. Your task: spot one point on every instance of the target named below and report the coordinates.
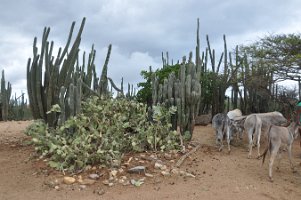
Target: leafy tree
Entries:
(268, 61)
(144, 95)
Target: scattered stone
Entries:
(137, 183)
(121, 181)
(168, 156)
(113, 173)
(165, 173)
(175, 171)
(57, 187)
(68, 180)
(137, 169)
(87, 182)
(153, 157)
(148, 175)
(189, 175)
(159, 165)
(106, 182)
(94, 176)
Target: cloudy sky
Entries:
(139, 30)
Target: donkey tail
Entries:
(263, 155)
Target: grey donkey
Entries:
(256, 123)
(278, 135)
(220, 122)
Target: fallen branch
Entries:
(181, 160)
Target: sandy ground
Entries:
(218, 175)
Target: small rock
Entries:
(159, 165)
(121, 181)
(175, 171)
(123, 177)
(153, 157)
(106, 182)
(148, 175)
(69, 180)
(94, 176)
(167, 156)
(87, 182)
(137, 169)
(136, 183)
(57, 187)
(113, 173)
(189, 175)
(111, 184)
(165, 173)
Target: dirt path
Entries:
(218, 175)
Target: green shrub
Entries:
(106, 129)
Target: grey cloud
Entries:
(139, 30)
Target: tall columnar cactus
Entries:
(5, 97)
(66, 82)
(184, 92)
(58, 72)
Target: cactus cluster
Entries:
(182, 91)
(61, 80)
(5, 97)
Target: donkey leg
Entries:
(250, 136)
(272, 158)
(289, 149)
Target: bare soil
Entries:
(218, 174)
